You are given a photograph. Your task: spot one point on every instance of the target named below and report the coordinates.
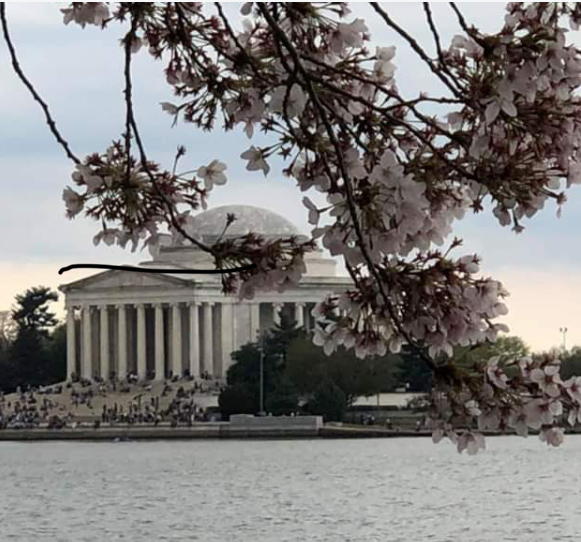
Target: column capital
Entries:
(210, 303)
(300, 303)
(120, 305)
(193, 303)
(278, 305)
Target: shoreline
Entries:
(213, 431)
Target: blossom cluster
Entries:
(520, 394)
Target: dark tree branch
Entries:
(416, 47)
(131, 126)
(470, 31)
(281, 36)
(434, 31)
(36, 96)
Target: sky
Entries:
(79, 73)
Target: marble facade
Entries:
(159, 325)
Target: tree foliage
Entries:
(308, 366)
(32, 312)
(36, 356)
(328, 401)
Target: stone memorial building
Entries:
(158, 325)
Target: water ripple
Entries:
(275, 491)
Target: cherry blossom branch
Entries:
(470, 31)
(344, 174)
(416, 47)
(432, 25)
(128, 94)
(131, 126)
(36, 96)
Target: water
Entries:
(273, 491)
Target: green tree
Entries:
(7, 373)
(328, 401)
(414, 373)
(237, 399)
(244, 373)
(32, 311)
(283, 399)
(57, 350)
(307, 366)
(506, 345)
(31, 353)
(571, 363)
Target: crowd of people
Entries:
(50, 407)
(30, 409)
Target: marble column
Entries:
(208, 344)
(71, 344)
(226, 337)
(300, 314)
(104, 342)
(308, 317)
(254, 321)
(141, 344)
(176, 340)
(86, 344)
(276, 313)
(194, 362)
(159, 344)
(122, 343)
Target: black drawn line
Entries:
(155, 269)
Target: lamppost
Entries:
(564, 330)
(262, 337)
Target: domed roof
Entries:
(209, 225)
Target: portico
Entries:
(155, 326)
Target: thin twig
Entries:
(36, 96)
(434, 31)
(470, 31)
(416, 47)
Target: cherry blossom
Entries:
(256, 160)
(313, 211)
(495, 373)
(541, 412)
(573, 387)
(73, 202)
(84, 13)
(212, 174)
(553, 436)
(547, 379)
(291, 101)
(471, 442)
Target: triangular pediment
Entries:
(127, 280)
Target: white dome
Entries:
(209, 225)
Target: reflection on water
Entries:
(273, 491)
